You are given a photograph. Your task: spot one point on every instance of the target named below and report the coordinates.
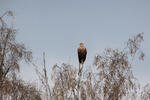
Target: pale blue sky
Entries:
(58, 26)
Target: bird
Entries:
(82, 52)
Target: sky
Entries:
(56, 27)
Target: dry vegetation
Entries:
(111, 78)
(11, 52)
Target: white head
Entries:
(81, 44)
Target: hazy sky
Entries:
(56, 27)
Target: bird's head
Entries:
(81, 44)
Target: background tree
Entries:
(44, 79)
(145, 94)
(115, 75)
(11, 53)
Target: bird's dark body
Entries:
(82, 55)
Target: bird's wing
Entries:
(79, 54)
(82, 54)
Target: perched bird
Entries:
(82, 52)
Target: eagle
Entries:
(82, 52)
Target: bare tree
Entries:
(145, 93)
(115, 75)
(17, 89)
(11, 53)
(44, 79)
